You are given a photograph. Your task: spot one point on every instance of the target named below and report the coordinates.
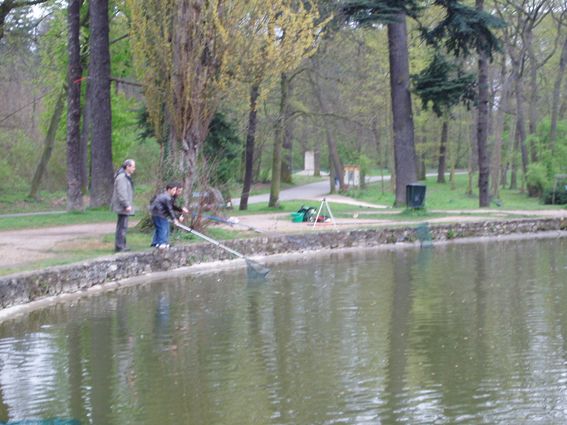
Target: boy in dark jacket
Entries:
(160, 209)
(179, 210)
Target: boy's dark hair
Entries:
(178, 185)
(171, 186)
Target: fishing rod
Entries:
(251, 227)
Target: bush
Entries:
(560, 196)
(537, 179)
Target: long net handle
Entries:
(251, 227)
(220, 245)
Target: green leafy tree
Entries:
(462, 31)
(393, 13)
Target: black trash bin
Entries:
(415, 195)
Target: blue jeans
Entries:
(161, 233)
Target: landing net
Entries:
(424, 235)
(256, 270)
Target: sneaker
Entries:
(163, 246)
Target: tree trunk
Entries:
(332, 171)
(422, 169)
(482, 130)
(85, 131)
(504, 176)
(379, 151)
(102, 172)
(422, 175)
(250, 140)
(404, 148)
(472, 139)
(502, 108)
(513, 176)
(521, 124)
(534, 89)
(453, 165)
(48, 145)
(278, 142)
(442, 150)
(287, 145)
(75, 71)
(317, 160)
(392, 166)
(333, 152)
(556, 95)
(189, 157)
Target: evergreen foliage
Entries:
(369, 12)
(444, 85)
(560, 196)
(464, 30)
(222, 148)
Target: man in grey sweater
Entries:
(123, 202)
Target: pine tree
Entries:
(393, 13)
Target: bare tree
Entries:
(48, 145)
(8, 6)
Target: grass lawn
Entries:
(439, 196)
(91, 215)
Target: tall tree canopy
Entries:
(189, 55)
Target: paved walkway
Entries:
(306, 191)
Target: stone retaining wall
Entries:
(29, 286)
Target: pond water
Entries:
(457, 334)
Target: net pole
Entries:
(220, 245)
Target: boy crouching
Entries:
(160, 209)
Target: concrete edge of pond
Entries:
(23, 292)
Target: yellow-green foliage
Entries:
(188, 58)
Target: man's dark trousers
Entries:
(121, 228)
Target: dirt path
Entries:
(18, 247)
(23, 246)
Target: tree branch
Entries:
(125, 81)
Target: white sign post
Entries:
(352, 177)
(309, 160)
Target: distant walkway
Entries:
(31, 213)
(306, 191)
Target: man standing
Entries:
(123, 202)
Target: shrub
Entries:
(537, 179)
(560, 196)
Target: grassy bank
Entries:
(440, 202)
(440, 196)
